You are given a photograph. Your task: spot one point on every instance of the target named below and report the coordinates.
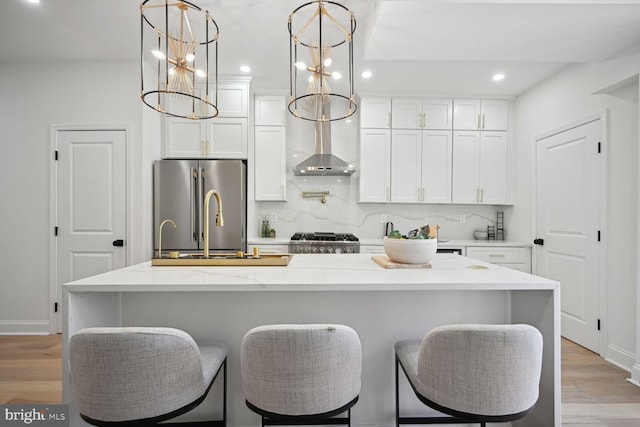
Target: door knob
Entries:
(538, 242)
(118, 242)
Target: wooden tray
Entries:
(385, 262)
(221, 260)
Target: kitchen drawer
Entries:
(515, 257)
(371, 249)
(497, 255)
(269, 249)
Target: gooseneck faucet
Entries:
(160, 235)
(219, 221)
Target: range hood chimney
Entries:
(323, 163)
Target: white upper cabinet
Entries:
(421, 166)
(270, 149)
(270, 163)
(474, 114)
(233, 98)
(223, 137)
(480, 168)
(375, 113)
(428, 113)
(375, 176)
(270, 110)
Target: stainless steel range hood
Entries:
(323, 163)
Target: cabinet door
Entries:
(466, 114)
(436, 166)
(375, 152)
(270, 163)
(227, 138)
(493, 181)
(465, 176)
(375, 113)
(233, 99)
(495, 114)
(406, 113)
(270, 110)
(406, 164)
(437, 113)
(184, 138)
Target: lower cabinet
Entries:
(514, 257)
(371, 249)
(269, 249)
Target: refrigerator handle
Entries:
(200, 205)
(193, 205)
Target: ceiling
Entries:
(428, 46)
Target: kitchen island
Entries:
(383, 306)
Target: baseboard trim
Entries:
(619, 357)
(22, 327)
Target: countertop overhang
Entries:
(357, 272)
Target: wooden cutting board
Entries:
(385, 262)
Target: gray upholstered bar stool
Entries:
(301, 374)
(142, 376)
(472, 373)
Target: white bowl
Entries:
(480, 235)
(410, 251)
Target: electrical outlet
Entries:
(383, 218)
(462, 219)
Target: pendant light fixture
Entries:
(179, 59)
(321, 61)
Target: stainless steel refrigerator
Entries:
(179, 189)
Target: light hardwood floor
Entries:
(594, 392)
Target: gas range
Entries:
(324, 243)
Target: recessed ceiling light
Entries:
(33, 1)
(245, 68)
(366, 74)
(498, 77)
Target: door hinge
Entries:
(56, 155)
(599, 147)
(598, 324)
(55, 307)
(55, 230)
(598, 235)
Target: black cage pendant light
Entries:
(321, 61)
(179, 59)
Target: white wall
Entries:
(566, 98)
(35, 96)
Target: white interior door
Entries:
(568, 221)
(91, 205)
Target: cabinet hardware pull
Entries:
(481, 194)
(478, 195)
(478, 121)
(422, 195)
(483, 121)
(496, 255)
(282, 191)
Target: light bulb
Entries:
(336, 75)
(200, 73)
(498, 77)
(158, 54)
(245, 68)
(172, 71)
(327, 62)
(301, 65)
(190, 57)
(311, 78)
(366, 74)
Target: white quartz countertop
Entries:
(305, 272)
